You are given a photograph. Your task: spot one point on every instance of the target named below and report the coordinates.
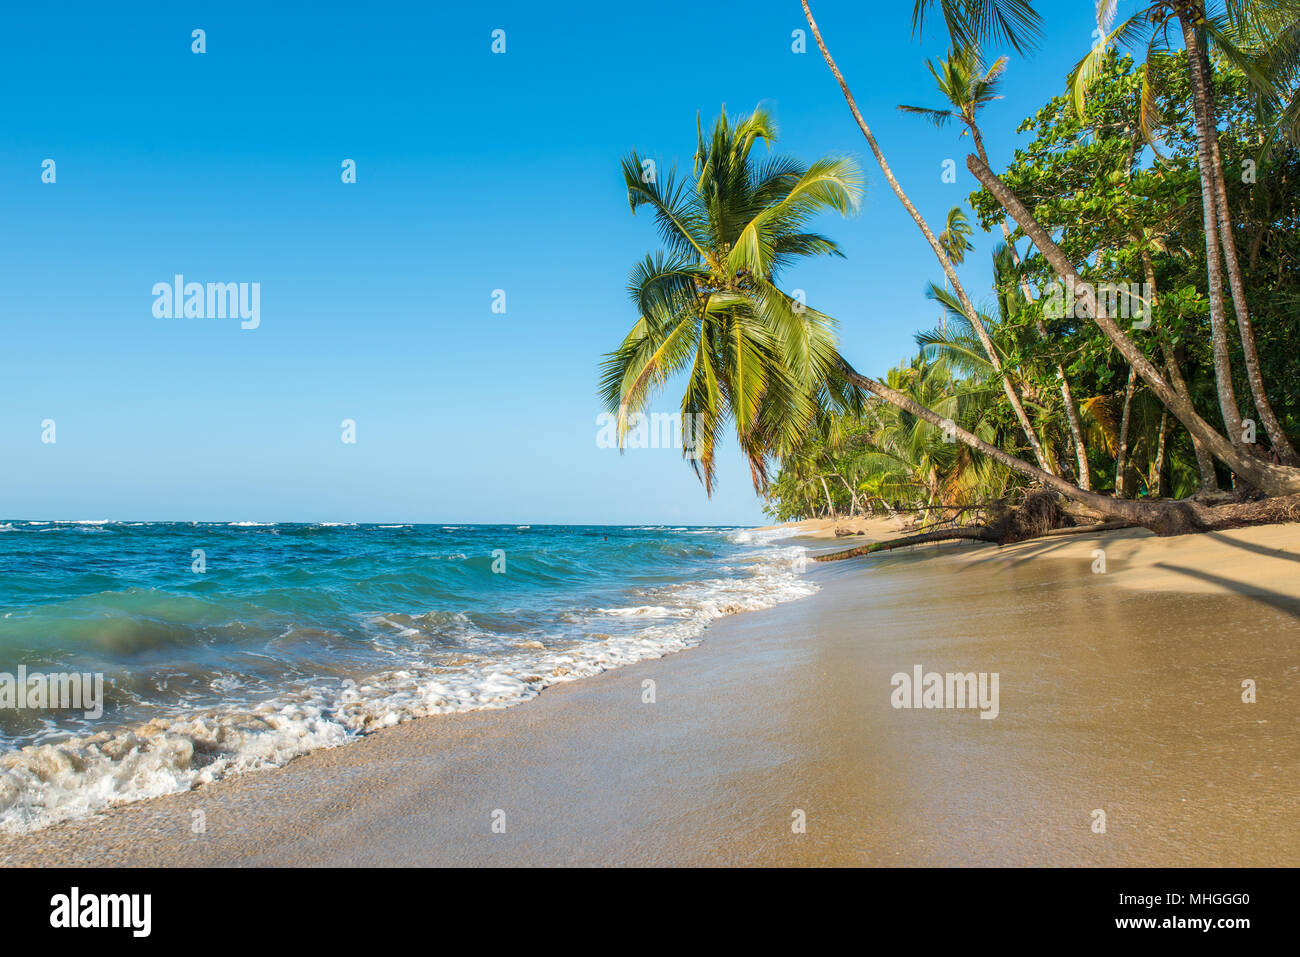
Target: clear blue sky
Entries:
(475, 172)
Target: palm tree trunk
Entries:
(1156, 481)
(830, 506)
(1269, 478)
(853, 496)
(1067, 394)
(1218, 322)
(1163, 518)
(1281, 444)
(1121, 457)
(940, 253)
(1072, 416)
(1204, 460)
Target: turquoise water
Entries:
(290, 637)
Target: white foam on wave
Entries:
(758, 536)
(643, 611)
(46, 783)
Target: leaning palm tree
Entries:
(709, 305)
(955, 239)
(968, 87)
(1016, 20)
(1164, 518)
(1254, 36)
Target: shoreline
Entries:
(1119, 692)
(855, 530)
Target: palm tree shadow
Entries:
(1252, 547)
(1284, 603)
(998, 554)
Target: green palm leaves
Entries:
(972, 22)
(1257, 37)
(956, 234)
(965, 83)
(709, 305)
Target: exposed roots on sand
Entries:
(1044, 513)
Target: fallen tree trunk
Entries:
(978, 533)
(1084, 529)
(1183, 517)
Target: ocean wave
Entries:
(758, 536)
(442, 662)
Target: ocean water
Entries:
(304, 636)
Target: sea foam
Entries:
(49, 782)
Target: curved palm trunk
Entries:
(1072, 416)
(1156, 478)
(853, 496)
(940, 253)
(1204, 460)
(1269, 478)
(1121, 458)
(1218, 325)
(830, 505)
(1163, 518)
(1067, 394)
(1276, 436)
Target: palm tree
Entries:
(969, 87)
(709, 305)
(1270, 478)
(1165, 518)
(1240, 24)
(899, 460)
(955, 239)
(966, 85)
(960, 15)
(971, 22)
(1281, 61)
(958, 346)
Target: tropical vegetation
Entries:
(1137, 351)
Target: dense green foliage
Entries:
(1144, 299)
(1110, 199)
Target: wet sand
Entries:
(1119, 691)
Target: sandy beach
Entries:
(1120, 691)
(863, 528)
